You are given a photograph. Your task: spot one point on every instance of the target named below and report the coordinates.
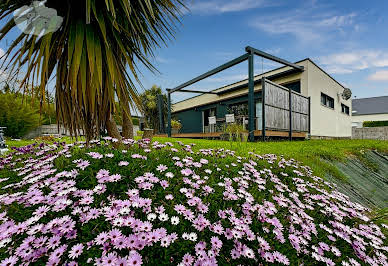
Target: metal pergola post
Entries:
(263, 106)
(251, 97)
(161, 103)
(290, 114)
(309, 116)
(169, 113)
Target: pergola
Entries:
(249, 55)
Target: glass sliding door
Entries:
(208, 128)
(259, 114)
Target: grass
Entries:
(318, 154)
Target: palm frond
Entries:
(91, 53)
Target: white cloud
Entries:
(349, 62)
(304, 24)
(1, 52)
(338, 21)
(381, 75)
(161, 60)
(224, 6)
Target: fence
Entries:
(378, 133)
(52, 129)
(277, 109)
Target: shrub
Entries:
(19, 117)
(234, 128)
(175, 124)
(135, 121)
(139, 133)
(375, 124)
(163, 204)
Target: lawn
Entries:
(318, 154)
(171, 203)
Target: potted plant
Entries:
(236, 132)
(175, 126)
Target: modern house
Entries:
(321, 106)
(369, 109)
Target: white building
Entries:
(330, 108)
(369, 109)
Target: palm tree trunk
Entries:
(127, 122)
(111, 127)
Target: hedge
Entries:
(135, 121)
(375, 123)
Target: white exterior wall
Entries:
(357, 120)
(327, 122)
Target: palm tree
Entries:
(89, 56)
(149, 100)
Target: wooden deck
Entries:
(268, 133)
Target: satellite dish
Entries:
(37, 19)
(346, 94)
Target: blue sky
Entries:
(346, 38)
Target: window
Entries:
(295, 86)
(239, 109)
(344, 109)
(327, 101)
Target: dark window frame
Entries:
(345, 109)
(327, 101)
(295, 85)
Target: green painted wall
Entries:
(192, 119)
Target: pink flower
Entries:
(135, 259)
(76, 251)
(186, 171)
(123, 163)
(10, 261)
(83, 164)
(187, 259)
(109, 259)
(54, 241)
(102, 238)
(169, 175)
(161, 168)
(169, 197)
(164, 184)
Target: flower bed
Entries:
(164, 204)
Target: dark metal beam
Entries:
(310, 116)
(263, 106)
(273, 58)
(290, 113)
(169, 113)
(161, 104)
(251, 97)
(271, 77)
(216, 70)
(195, 91)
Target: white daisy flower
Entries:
(175, 220)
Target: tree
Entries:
(149, 100)
(17, 116)
(89, 55)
